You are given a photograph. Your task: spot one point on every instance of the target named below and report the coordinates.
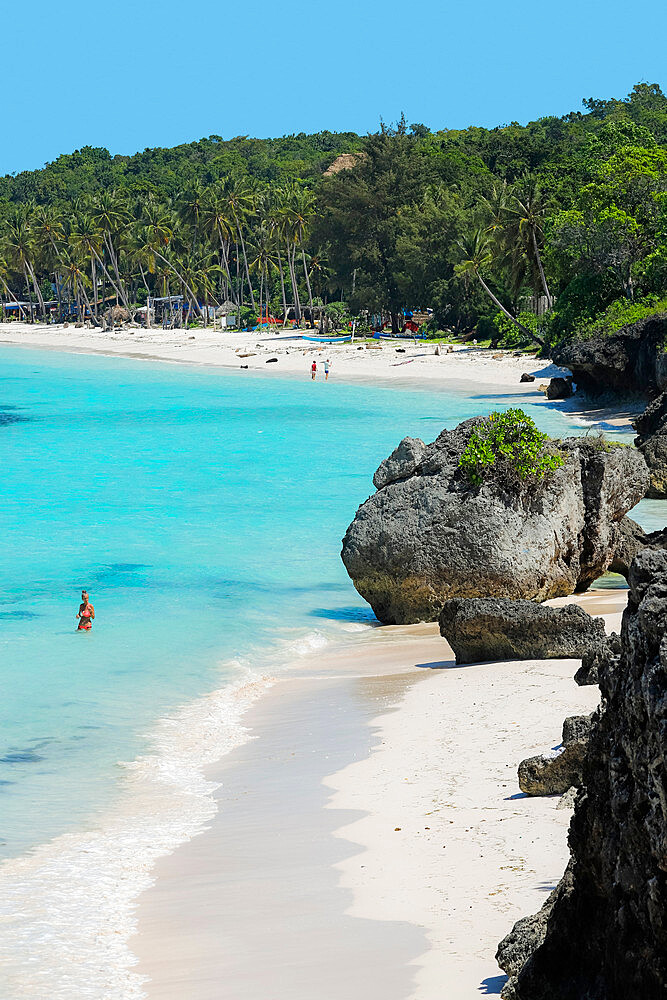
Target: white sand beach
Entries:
(371, 840)
(384, 360)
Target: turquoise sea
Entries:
(203, 511)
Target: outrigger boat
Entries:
(328, 340)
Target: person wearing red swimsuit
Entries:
(86, 613)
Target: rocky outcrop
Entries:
(631, 539)
(553, 774)
(560, 388)
(576, 727)
(589, 671)
(651, 428)
(606, 933)
(526, 377)
(487, 629)
(427, 535)
(630, 361)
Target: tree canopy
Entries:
(523, 232)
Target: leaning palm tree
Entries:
(476, 258)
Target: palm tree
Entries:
(476, 257)
(526, 213)
(109, 213)
(239, 197)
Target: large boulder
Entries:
(554, 773)
(606, 933)
(560, 388)
(631, 360)
(651, 427)
(485, 629)
(427, 535)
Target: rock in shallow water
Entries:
(483, 629)
(427, 535)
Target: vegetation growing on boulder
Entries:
(512, 440)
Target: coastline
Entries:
(384, 763)
(389, 361)
(418, 367)
(396, 692)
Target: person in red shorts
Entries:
(86, 613)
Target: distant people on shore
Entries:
(86, 613)
(313, 370)
(327, 366)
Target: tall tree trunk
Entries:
(310, 292)
(282, 286)
(245, 261)
(524, 329)
(538, 258)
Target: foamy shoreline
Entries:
(438, 852)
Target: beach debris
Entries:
(427, 536)
(248, 354)
(482, 630)
(270, 361)
(527, 378)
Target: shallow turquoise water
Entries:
(204, 513)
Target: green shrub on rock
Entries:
(510, 438)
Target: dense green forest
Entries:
(518, 233)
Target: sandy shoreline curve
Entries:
(370, 840)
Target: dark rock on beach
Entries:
(427, 535)
(560, 388)
(527, 378)
(631, 360)
(553, 774)
(605, 937)
(486, 629)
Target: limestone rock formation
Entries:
(576, 727)
(553, 774)
(651, 427)
(483, 629)
(606, 933)
(559, 388)
(427, 535)
(588, 672)
(631, 360)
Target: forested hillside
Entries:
(538, 232)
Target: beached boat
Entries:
(380, 335)
(328, 340)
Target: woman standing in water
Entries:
(86, 613)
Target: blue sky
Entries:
(128, 74)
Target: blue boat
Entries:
(328, 340)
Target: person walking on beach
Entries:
(327, 365)
(313, 369)
(86, 613)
